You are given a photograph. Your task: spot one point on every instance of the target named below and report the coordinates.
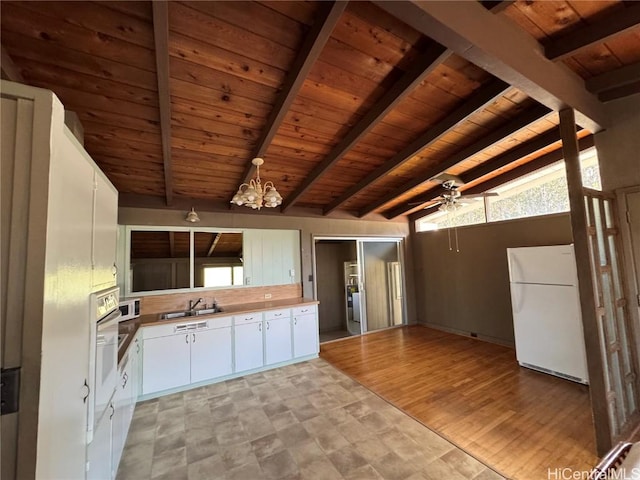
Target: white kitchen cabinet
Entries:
(211, 354)
(166, 363)
(189, 353)
(277, 339)
(248, 346)
(119, 423)
(136, 366)
(105, 232)
(99, 450)
(305, 335)
(271, 257)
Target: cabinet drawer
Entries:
(275, 314)
(158, 331)
(220, 322)
(247, 318)
(304, 310)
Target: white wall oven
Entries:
(103, 360)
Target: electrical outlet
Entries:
(292, 273)
(247, 281)
(267, 296)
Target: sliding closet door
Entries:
(381, 272)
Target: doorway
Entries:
(359, 284)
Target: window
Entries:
(222, 276)
(540, 193)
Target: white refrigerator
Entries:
(547, 322)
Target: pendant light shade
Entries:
(192, 216)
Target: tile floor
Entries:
(303, 421)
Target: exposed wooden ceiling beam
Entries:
(480, 99)
(420, 68)
(215, 241)
(314, 42)
(607, 27)
(510, 156)
(161, 38)
(614, 78)
(620, 92)
(500, 47)
(529, 167)
(513, 125)
(8, 69)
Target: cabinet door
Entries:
(210, 354)
(305, 335)
(277, 339)
(105, 232)
(99, 450)
(166, 363)
(135, 375)
(119, 434)
(248, 346)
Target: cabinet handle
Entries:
(277, 314)
(304, 311)
(267, 325)
(186, 338)
(194, 337)
(137, 348)
(260, 326)
(295, 321)
(88, 390)
(113, 411)
(114, 269)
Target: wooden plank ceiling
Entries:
(351, 108)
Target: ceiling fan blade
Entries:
(480, 195)
(435, 199)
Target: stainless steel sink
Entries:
(189, 313)
(171, 315)
(207, 311)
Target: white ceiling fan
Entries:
(453, 199)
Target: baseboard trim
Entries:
(464, 333)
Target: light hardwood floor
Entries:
(474, 393)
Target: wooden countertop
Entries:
(130, 327)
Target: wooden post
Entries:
(595, 364)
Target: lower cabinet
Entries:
(305, 331)
(181, 354)
(211, 354)
(166, 363)
(248, 346)
(99, 450)
(277, 340)
(305, 335)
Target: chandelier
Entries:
(254, 194)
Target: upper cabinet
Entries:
(272, 257)
(182, 258)
(105, 230)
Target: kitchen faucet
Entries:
(192, 306)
